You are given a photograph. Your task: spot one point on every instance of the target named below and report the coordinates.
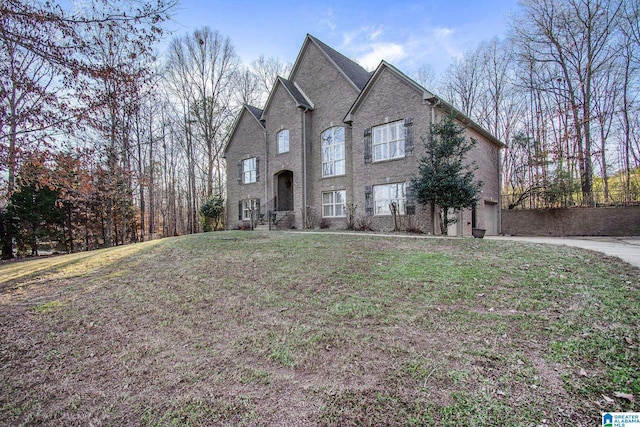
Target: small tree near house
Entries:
(212, 212)
(444, 178)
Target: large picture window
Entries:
(333, 203)
(385, 195)
(388, 141)
(283, 141)
(249, 170)
(333, 157)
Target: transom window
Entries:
(333, 203)
(283, 141)
(385, 195)
(249, 170)
(333, 158)
(249, 206)
(388, 141)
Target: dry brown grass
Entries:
(245, 328)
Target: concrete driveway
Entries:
(625, 248)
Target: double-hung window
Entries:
(333, 203)
(386, 195)
(388, 141)
(333, 156)
(249, 171)
(283, 141)
(249, 206)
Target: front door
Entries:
(284, 191)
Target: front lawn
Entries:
(252, 328)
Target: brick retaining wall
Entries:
(611, 221)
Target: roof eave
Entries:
(230, 136)
(438, 102)
(349, 117)
(235, 128)
(427, 96)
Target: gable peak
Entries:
(353, 71)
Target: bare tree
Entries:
(247, 87)
(48, 66)
(267, 71)
(574, 38)
(28, 96)
(630, 73)
(426, 77)
(201, 69)
(461, 83)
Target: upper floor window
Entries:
(333, 203)
(386, 195)
(333, 157)
(249, 170)
(283, 141)
(388, 141)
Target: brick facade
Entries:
(248, 141)
(601, 221)
(327, 90)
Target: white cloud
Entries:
(356, 38)
(437, 46)
(376, 33)
(347, 38)
(444, 37)
(367, 45)
(329, 20)
(390, 52)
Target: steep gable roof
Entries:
(296, 93)
(354, 73)
(301, 100)
(427, 96)
(384, 65)
(253, 112)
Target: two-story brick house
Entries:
(344, 142)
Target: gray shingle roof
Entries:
(255, 112)
(298, 96)
(358, 75)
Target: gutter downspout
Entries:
(434, 224)
(304, 167)
(499, 228)
(266, 179)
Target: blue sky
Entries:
(407, 34)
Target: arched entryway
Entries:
(284, 190)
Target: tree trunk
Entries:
(69, 227)
(444, 221)
(151, 183)
(141, 185)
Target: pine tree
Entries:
(36, 216)
(444, 178)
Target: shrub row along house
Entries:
(336, 146)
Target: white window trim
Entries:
(248, 173)
(248, 207)
(400, 141)
(282, 133)
(332, 204)
(333, 148)
(381, 206)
